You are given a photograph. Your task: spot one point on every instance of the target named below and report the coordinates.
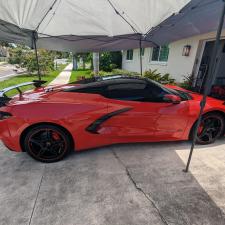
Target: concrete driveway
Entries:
(134, 184)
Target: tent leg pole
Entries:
(36, 55)
(141, 62)
(208, 85)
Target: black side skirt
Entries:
(96, 124)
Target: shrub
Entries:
(187, 82)
(46, 61)
(26, 58)
(101, 73)
(116, 72)
(16, 55)
(151, 74)
(110, 61)
(125, 72)
(156, 76)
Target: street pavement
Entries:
(7, 71)
(130, 184)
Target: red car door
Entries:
(143, 114)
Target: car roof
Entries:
(107, 80)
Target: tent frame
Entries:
(208, 85)
(141, 61)
(36, 54)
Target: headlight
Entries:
(4, 115)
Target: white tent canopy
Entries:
(87, 25)
(198, 17)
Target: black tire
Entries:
(211, 128)
(47, 143)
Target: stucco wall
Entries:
(178, 66)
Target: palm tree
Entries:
(75, 62)
(96, 62)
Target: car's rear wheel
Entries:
(47, 143)
(210, 129)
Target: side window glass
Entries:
(142, 92)
(129, 86)
(91, 90)
(129, 92)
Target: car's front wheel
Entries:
(210, 129)
(47, 143)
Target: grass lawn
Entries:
(79, 73)
(27, 78)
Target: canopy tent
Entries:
(198, 17)
(105, 25)
(87, 25)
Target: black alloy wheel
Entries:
(210, 129)
(47, 143)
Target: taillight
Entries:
(4, 115)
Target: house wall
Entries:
(178, 66)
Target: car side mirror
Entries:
(172, 98)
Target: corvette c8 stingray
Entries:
(48, 122)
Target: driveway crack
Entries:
(38, 191)
(147, 196)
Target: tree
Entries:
(5, 44)
(46, 61)
(16, 54)
(84, 58)
(26, 58)
(61, 55)
(110, 61)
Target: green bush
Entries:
(46, 61)
(101, 73)
(187, 82)
(125, 72)
(110, 61)
(151, 74)
(16, 55)
(26, 58)
(116, 72)
(156, 76)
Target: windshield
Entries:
(182, 94)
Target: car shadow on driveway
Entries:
(129, 184)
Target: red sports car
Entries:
(50, 121)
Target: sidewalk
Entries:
(63, 77)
